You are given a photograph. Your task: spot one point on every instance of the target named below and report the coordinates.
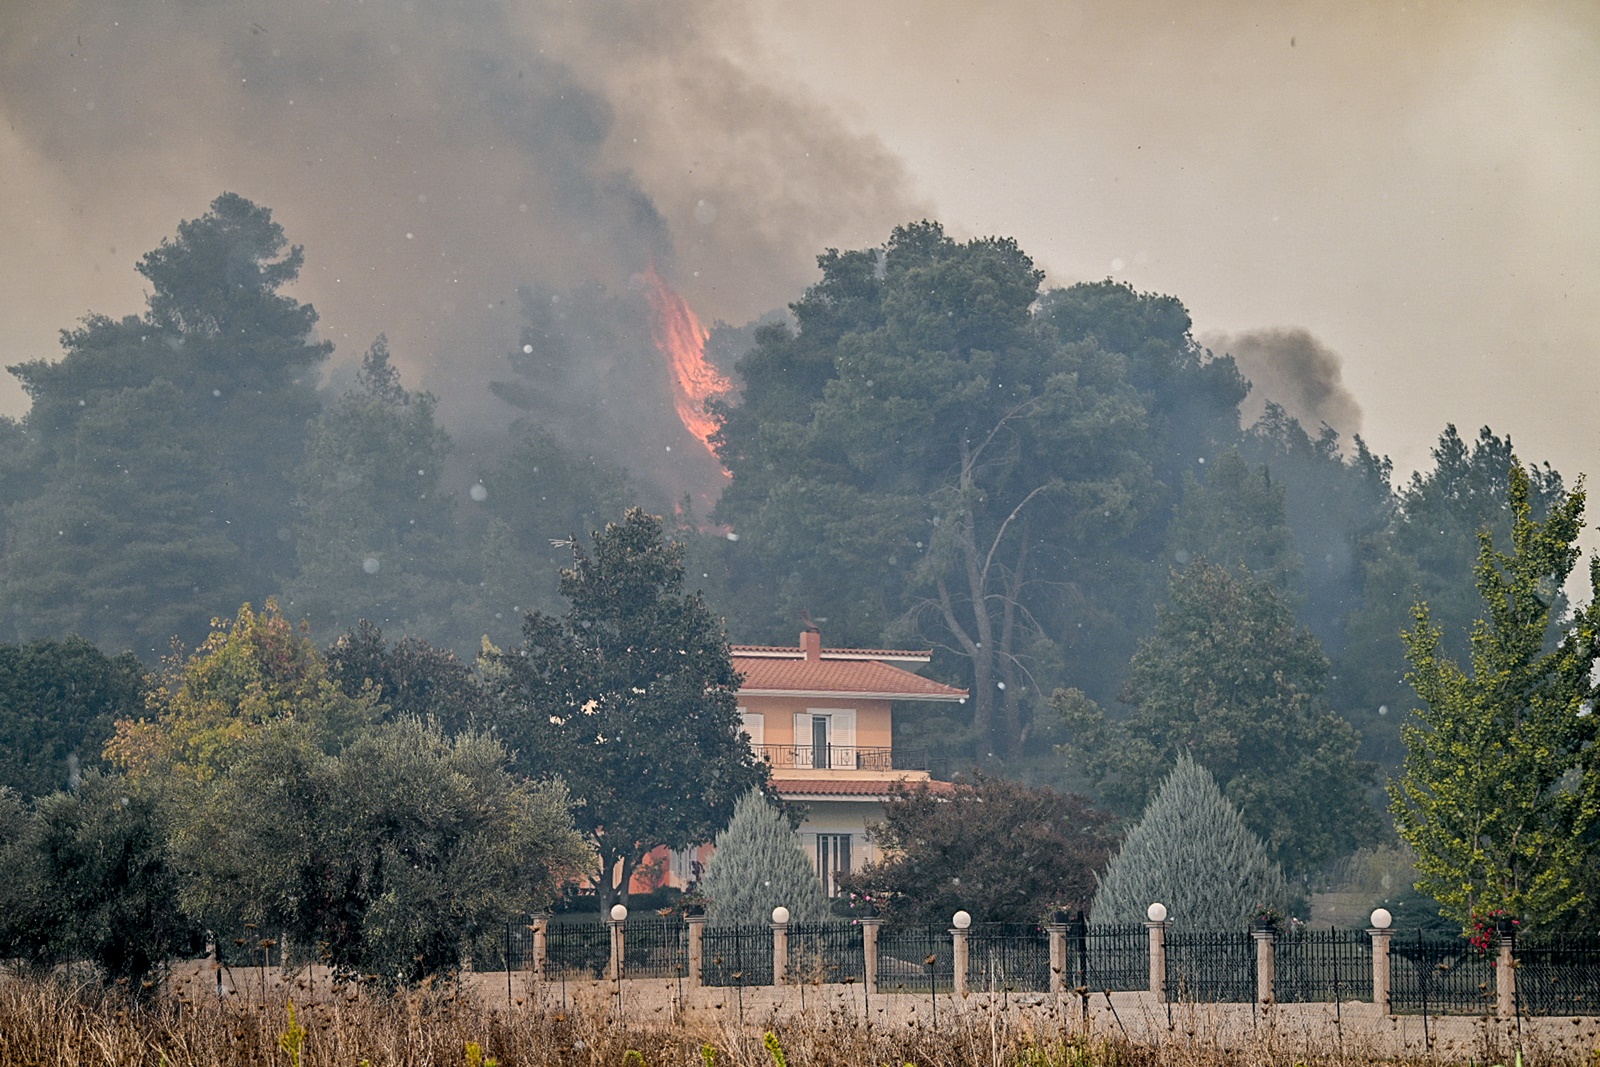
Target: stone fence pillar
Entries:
(697, 953)
(541, 945)
(1058, 953)
(1505, 973)
(1381, 936)
(959, 951)
(1266, 962)
(869, 947)
(618, 924)
(1157, 925)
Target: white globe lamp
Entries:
(961, 920)
(780, 915)
(619, 913)
(1157, 912)
(1381, 919)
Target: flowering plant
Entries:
(864, 905)
(1486, 928)
(1267, 915)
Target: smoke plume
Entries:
(1294, 369)
(434, 158)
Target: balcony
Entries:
(841, 758)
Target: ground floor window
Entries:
(833, 860)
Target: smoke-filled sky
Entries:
(1390, 212)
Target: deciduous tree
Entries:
(630, 698)
(1001, 850)
(1501, 788)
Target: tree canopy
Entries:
(1192, 852)
(1001, 850)
(630, 698)
(1501, 790)
(1230, 680)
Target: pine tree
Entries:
(1192, 852)
(758, 865)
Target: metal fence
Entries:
(1009, 957)
(1328, 965)
(736, 955)
(1211, 965)
(1556, 974)
(655, 947)
(1108, 959)
(1440, 976)
(578, 950)
(826, 953)
(1559, 975)
(915, 959)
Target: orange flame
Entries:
(680, 337)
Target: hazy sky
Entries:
(1408, 192)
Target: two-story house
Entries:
(823, 719)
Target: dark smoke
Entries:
(434, 158)
(1294, 369)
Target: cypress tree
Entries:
(759, 865)
(1192, 852)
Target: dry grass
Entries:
(49, 1022)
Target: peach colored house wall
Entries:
(874, 723)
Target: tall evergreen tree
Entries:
(1424, 554)
(1230, 679)
(1192, 852)
(375, 535)
(758, 866)
(166, 442)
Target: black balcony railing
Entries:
(842, 758)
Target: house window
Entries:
(833, 859)
(755, 725)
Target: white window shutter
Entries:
(755, 724)
(802, 739)
(844, 738)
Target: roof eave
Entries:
(955, 697)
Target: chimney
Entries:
(811, 644)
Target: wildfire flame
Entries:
(682, 340)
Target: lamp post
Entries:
(1156, 916)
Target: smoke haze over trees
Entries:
(934, 448)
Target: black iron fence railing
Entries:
(915, 959)
(1211, 965)
(1008, 957)
(655, 947)
(736, 954)
(1438, 976)
(843, 757)
(826, 953)
(1327, 965)
(1108, 959)
(1559, 974)
(577, 950)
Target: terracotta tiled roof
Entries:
(863, 678)
(849, 787)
